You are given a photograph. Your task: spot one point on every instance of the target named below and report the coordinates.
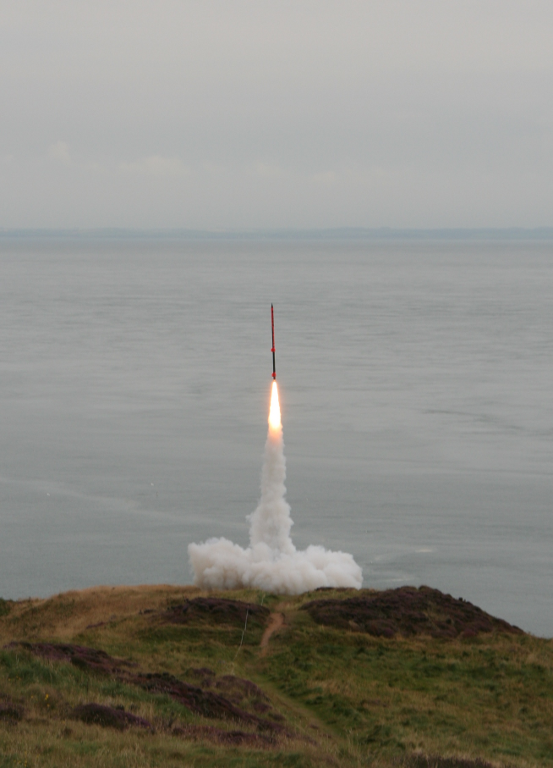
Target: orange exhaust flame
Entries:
(274, 413)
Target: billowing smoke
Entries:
(271, 562)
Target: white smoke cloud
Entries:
(271, 562)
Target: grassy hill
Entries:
(176, 676)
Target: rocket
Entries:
(273, 347)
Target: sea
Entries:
(416, 381)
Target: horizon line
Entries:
(284, 233)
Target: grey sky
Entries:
(252, 114)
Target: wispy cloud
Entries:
(269, 171)
(60, 152)
(155, 165)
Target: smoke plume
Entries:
(271, 562)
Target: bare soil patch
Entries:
(276, 622)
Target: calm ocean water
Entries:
(415, 378)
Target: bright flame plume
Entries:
(274, 412)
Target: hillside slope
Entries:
(163, 676)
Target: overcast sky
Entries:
(240, 114)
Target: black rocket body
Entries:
(273, 336)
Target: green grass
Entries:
(346, 698)
(489, 698)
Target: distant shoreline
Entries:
(336, 233)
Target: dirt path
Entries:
(276, 621)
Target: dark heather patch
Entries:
(407, 611)
(436, 761)
(237, 690)
(216, 610)
(240, 692)
(202, 676)
(240, 695)
(108, 717)
(244, 688)
(10, 712)
(219, 736)
(205, 703)
(89, 659)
